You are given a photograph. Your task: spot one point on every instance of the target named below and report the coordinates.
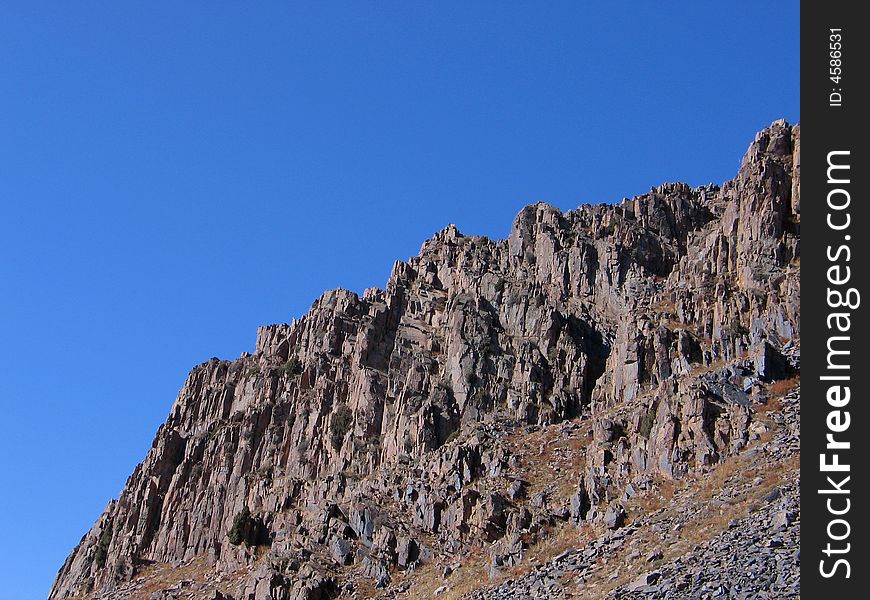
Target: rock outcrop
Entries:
(385, 433)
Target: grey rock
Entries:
(614, 517)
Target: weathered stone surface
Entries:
(614, 517)
(375, 432)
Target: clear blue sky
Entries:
(174, 174)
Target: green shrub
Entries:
(646, 424)
(102, 552)
(241, 524)
(292, 367)
(339, 425)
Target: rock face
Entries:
(377, 433)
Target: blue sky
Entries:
(174, 174)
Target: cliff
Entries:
(493, 394)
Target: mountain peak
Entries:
(539, 396)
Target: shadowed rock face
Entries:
(374, 433)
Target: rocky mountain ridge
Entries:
(384, 435)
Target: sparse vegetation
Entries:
(646, 424)
(292, 367)
(241, 524)
(102, 552)
(339, 425)
(778, 389)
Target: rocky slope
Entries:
(732, 532)
(494, 399)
